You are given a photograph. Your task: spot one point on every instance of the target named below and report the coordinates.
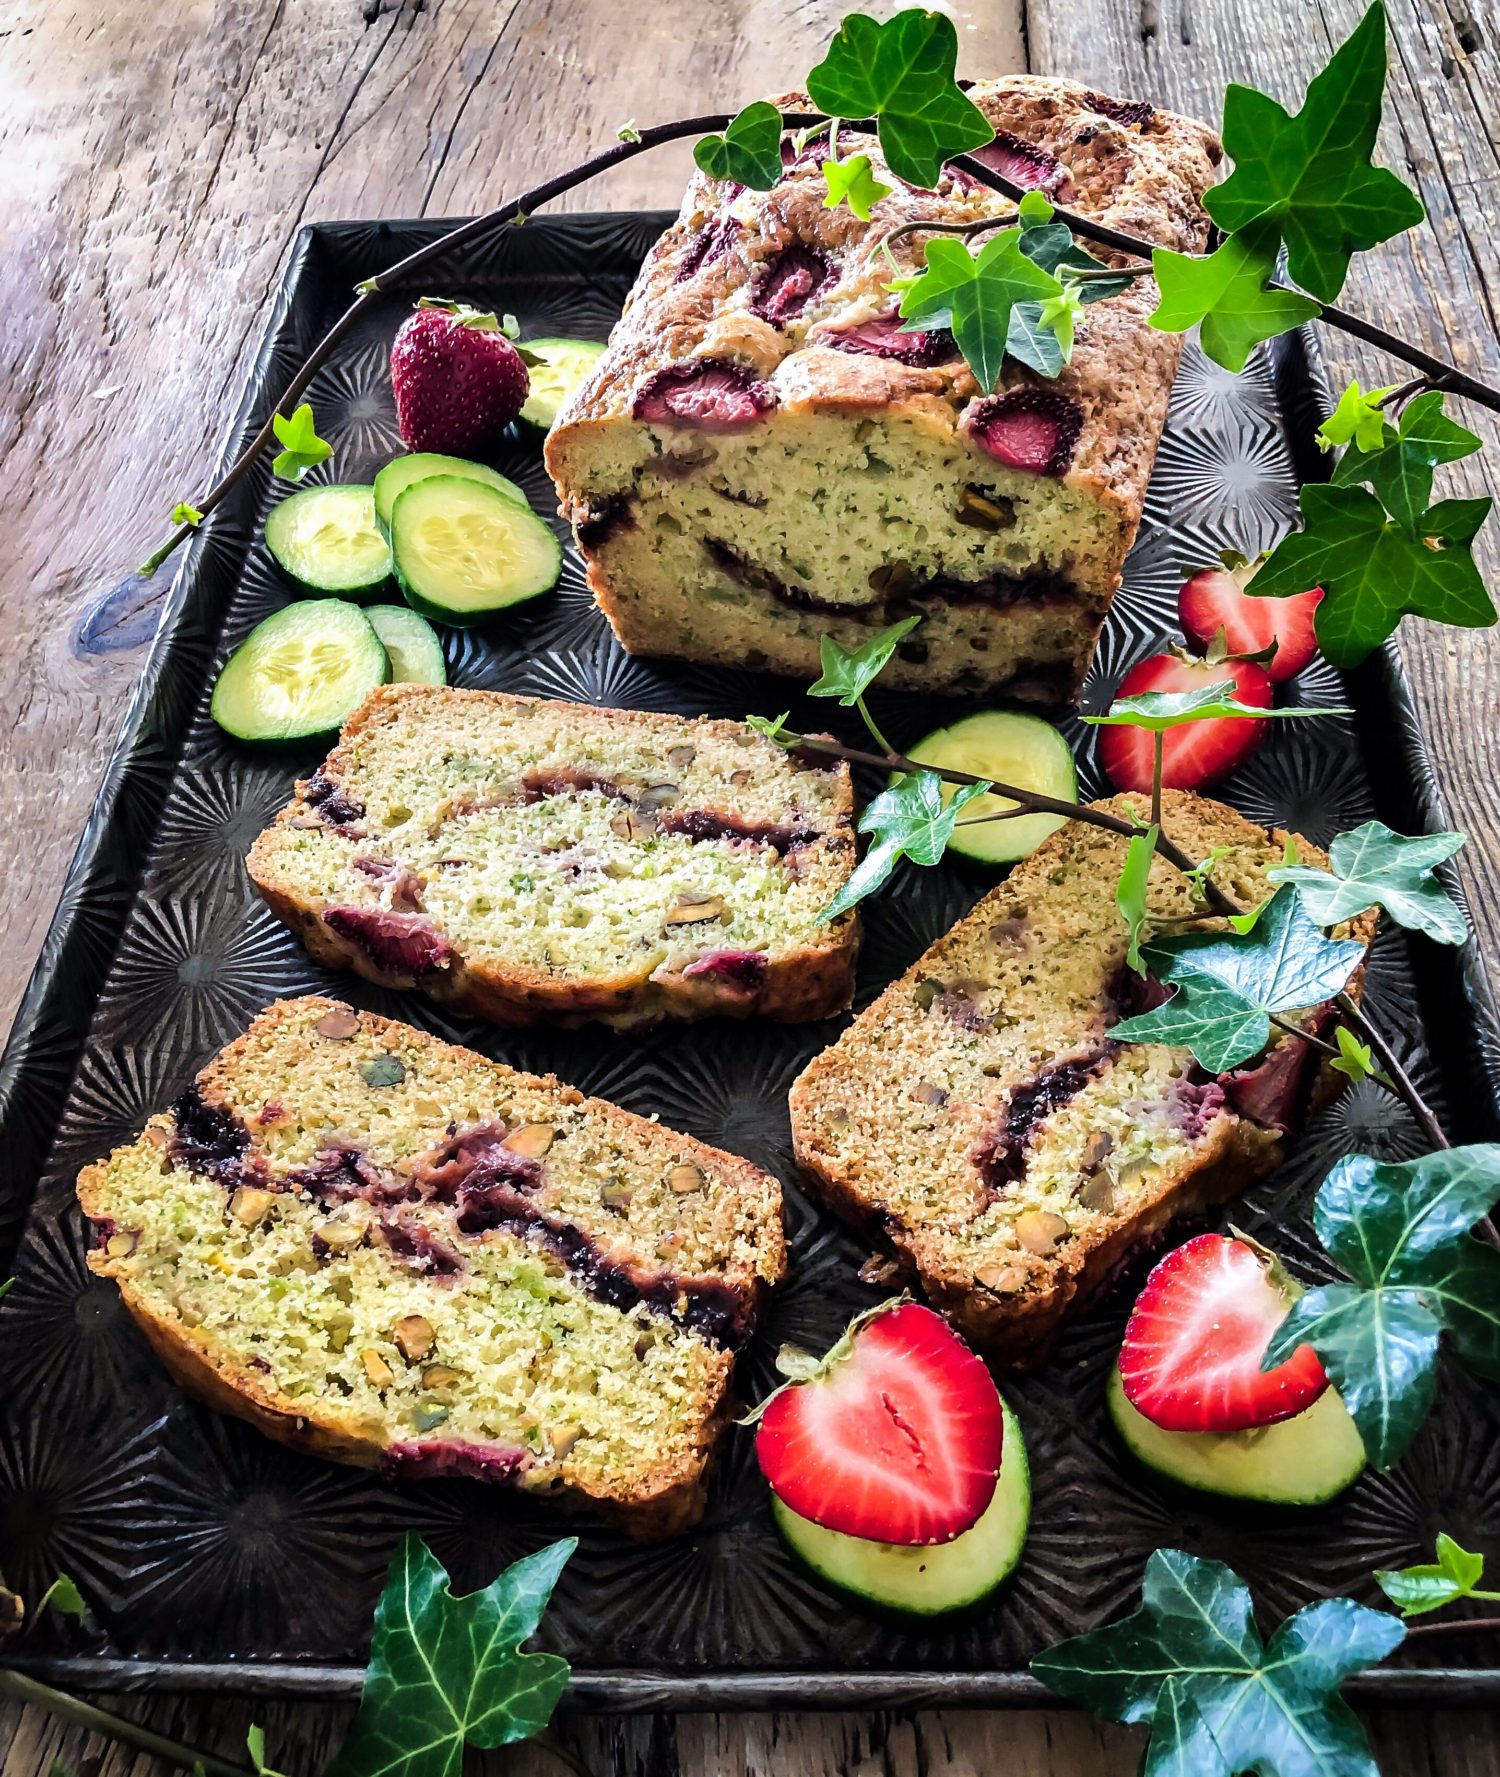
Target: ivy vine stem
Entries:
(115, 1727)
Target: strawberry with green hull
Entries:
(1190, 1399)
(885, 1460)
(457, 379)
(1218, 602)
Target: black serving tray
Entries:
(213, 1558)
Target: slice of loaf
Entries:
(395, 1253)
(981, 1125)
(762, 457)
(524, 860)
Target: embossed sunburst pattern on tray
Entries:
(196, 1540)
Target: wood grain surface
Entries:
(159, 160)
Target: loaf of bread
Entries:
(981, 1126)
(762, 458)
(523, 860)
(393, 1252)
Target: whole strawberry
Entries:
(457, 378)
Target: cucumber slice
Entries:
(1012, 749)
(926, 1582)
(564, 365)
(399, 474)
(1302, 1461)
(463, 551)
(327, 538)
(298, 674)
(416, 654)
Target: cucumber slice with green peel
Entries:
(464, 551)
(1007, 748)
(1302, 1461)
(327, 539)
(300, 673)
(563, 365)
(401, 472)
(416, 654)
(929, 1581)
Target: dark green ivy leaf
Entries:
(1308, 178)
(1400, 468)
(301, 447)
(1157, 710)
(1400, 1231)
(448, 1672)
(849, 672)
(1374, 571)
(1374, 867)
(975, 294)
(1227, 986)
(749, 151)
(1431, 1584)
(910, 819)
(902, 73)
(1219, 1701)
(1226, 291)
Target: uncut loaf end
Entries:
(763, 456)
(527, 860)
(982, 1126)
(392, 1252)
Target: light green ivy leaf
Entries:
(853, 182)
(1374, 867)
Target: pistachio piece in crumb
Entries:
(926, 1093)
(413, 1336)
(562, 1438)
(121, 1245)
(380, 1373)
(616, 1194)
(1039, 1231)
(428, 1416)
(250, 1205)
(531, 1140)
(685, 1178)
(441, 1376)
(1098, 1191)
(383, 1070)
(696, 910)
(1001, 1280)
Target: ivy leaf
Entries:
(975, 294)
(1400, 467)
(749, 151)
(448, 1672)
(853, 182)
(849, 672)
(255, 1745)
(901, 73)
(773, 730)
(1308, 178)
(1429, 1585)
(1373, 571)
(182, 513)
(1156, 710)
(301, 447)
(1219, 1701)
(1227, 987)
(64, 1597)
(1457, 521)
(1031, 342)
(1374, 867)
(1358, 419)
(910, 819)
(1400, 1231)
(1130, 892)
(1354, 1059)
(1226, 292)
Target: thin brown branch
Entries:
(115, 1727)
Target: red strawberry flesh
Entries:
(709, 394)
(791, 282)
(1031, 429)
(1022, 162)
(883, 338)
(1193, 753)
(1195, 1340)
(458, 381)
(897, 1440)
(1216, 599)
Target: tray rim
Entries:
(1299, 369)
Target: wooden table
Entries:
(159, 159)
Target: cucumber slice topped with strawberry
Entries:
(562, 365)
(1009, 748)
(327, 539)
(300, 673)
(399, 474)
(463, 550)
(1191, 1400)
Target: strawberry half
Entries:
(457, 379)
(894, 1436)
(1219, 599)
(1194, 753)
(1193, 1345)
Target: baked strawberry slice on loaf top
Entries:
(393, 1252)
(523, 860)
(982, 1125)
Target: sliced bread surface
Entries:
(399, 1254)
(980, 1123)
(527, 860)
